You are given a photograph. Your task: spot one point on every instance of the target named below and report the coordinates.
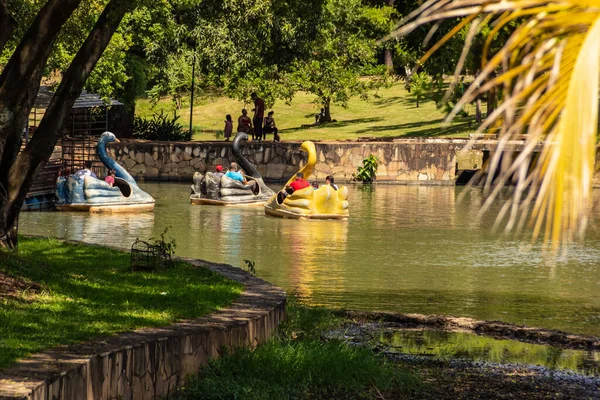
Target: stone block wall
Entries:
(430, 161)
(149, 364)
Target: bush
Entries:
(160, 127)
(367, 172)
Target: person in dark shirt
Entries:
(329, 181)
(259, 115)
(245, 123)
(270, 127)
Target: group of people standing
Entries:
(259, 126)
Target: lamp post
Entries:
(192, 94)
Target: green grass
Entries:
(297, 364)
(392, 113)
(88, 292)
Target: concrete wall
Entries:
(148, 363)
(430, 161)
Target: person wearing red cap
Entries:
(219, 171)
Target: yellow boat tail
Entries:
(322, 203)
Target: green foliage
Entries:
(343, 51)
(88, 292)
(368, 171)
(299, 365)
(160, 127)
(165, 244)
(219, 133)
(419, 86)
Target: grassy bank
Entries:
(298, 364)
(303, 361)
(391, 113)
(78, 292)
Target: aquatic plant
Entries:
(367, 172)
(250, 266)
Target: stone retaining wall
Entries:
(430, 161)
(148, 363)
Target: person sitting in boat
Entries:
(110, 178)
(86, 171)
(297, 184)
(329, 181)
(236, 175)
(218, 171)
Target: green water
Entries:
(466, 346)
(404, 249)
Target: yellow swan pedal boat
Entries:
(309, 203)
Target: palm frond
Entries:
(548, 71)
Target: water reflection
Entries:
(480, 348)
(404, 248)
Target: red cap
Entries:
(219, 168)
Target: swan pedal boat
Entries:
(86, 193)
(322, 203)
(209, 189)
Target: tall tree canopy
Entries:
(20, 81)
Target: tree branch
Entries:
(7, 24)
(20, 79)
(40, 147)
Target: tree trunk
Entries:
(478, 110)
(417, 101)
(40, 147)
(389, 60)
(19, 84)
(20, 79)
(7, 24)
(388, 57)
(326, 107)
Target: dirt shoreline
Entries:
(452, 379)
(494, 329)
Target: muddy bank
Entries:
(12, 287)
(467, 380)
(495, 329)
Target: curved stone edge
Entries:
(149, 362)
(495, 329)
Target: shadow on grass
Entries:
(430, 128)
(88, 292)
(337, 124)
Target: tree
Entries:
(419, 86)
(550, 73)
(240, 47)
(7, 24)
(343, 52)
(19, 82)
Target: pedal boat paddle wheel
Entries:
(94, 195)
(224, 191)
(309, 203)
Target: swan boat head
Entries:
(83, 192)
(211, 188)
(322, 203)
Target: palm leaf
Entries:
(549, 71)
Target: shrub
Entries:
(419, 85)
(368, 171)
(160, 127)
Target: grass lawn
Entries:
(391, 113)
(299, 364)
(87, 292)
